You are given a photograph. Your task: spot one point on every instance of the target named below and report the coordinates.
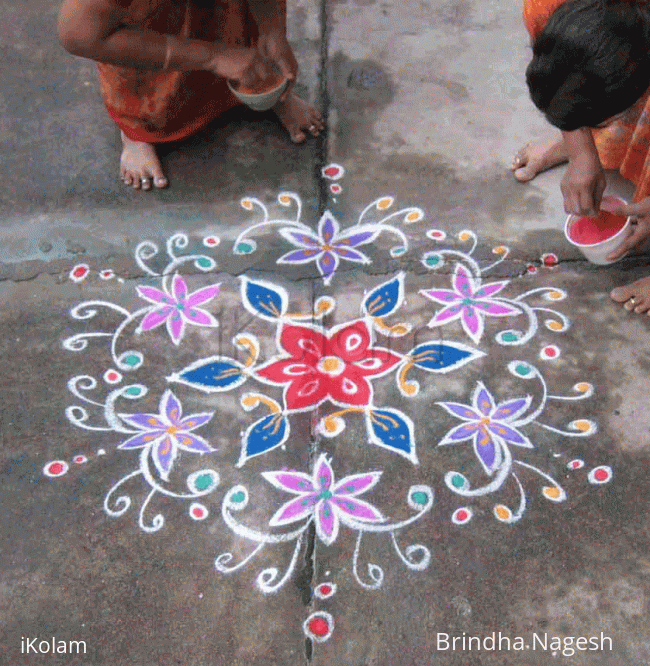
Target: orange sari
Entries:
(624, 145)
(163, 105)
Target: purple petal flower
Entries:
(192, 443)
(323, 474)
(463, 282)
(302, 238)
(358, 509)
(461, 433)
(327, 228)
(299, 256)
(351, 255)
(356, 484)
(164, 454)
(485, 449)
(155, 318)
(509, 434)
(496, 309)
(327, 264)
(461, 411)
(166, 432)
(140, 440)
(202, 295)
(490, 289)
(153, 295)
(327, 523)
(179, 288)
(291, 482)
(148, 422)
(294, 510)
(483, 400)
(442, 295)
(511, 409)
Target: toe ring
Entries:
(632, 301)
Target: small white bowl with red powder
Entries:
(598, 237)
(262, 97)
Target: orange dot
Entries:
(551, 493)
(502, 512)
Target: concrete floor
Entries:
(538, 536)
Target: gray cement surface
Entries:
(310, 505)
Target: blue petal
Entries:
(443, 356)
(264, 299)
(384, 299)
(211, 375)
(392, 430)
(266, 434)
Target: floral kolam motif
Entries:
(333, 373)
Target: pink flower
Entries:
(333, 365)
(329, 503)
(470, 302)
(177, 308)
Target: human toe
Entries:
(622, 294)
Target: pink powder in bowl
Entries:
(591, 230)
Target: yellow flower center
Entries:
(331, 365)
(172, 430)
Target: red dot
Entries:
(325, 589)
(550, 260)
(197, 512)
(549, 351)
(55, 468)
(319, 627)
(576, 464)
(462, 515)
(336, 189)
(601, 475)
(79, 272)
(332, 171)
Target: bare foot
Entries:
(299, 117)
(538, 157)
(635, 297)
(140, 166)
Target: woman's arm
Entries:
(95, 29)
(584, 182)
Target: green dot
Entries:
(204, 262)
(432, 261)
(458, 481)
(203, 481)
(245, 248)
(238, 497)
(326, 494)
(132, 359)
(133, 390)
(419, 497)
(522, 369)
(510, 336)
(398, 250)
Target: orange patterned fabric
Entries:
(624, 145)
(161, 106)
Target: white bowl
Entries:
(260, 101)
(597, 253)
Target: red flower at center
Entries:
(331, 365)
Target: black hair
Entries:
(591, 61)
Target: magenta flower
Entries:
(489, 426)
(166, 432)
(177, 308)
(470, 302)
(328, 247)
(329, 503)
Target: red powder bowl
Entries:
(598, 237)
